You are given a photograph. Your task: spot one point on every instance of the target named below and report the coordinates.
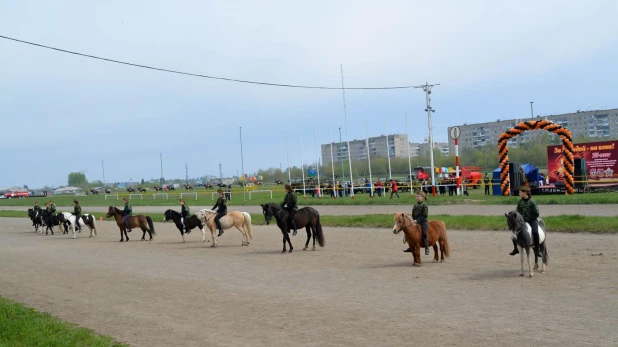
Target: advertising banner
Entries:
(601, 161)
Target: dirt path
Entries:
(359, 290)
(339, 210)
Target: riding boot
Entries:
(294, 227)
(220, 229)
(424, 235)
(515, 251)
(128, 227)
(409, 250)
(535, 239)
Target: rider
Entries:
(37, 210)
(52, 207)
(420, 213)
(289, 204)
(185, 214)
(77, 211)
(530, 211)
(127, 213)
(221, 206)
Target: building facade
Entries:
(599, 124)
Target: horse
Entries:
(85, 220)
(171, 187)
(157, 188)
(107, 191)
(188, 187)
(51, 220)
(94, 191)
(194, 221)
(279, 182)
(139, 221)
(142, 190)
(436, 234)
(208, 186)
(306, 217)
(36, 219)
(240, 220)
(130, 190)
(521, 232)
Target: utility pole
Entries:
(103, 166)
(531, 109)
(427, 89)
(186, 174)
(220, 172)
(341, 156)
(161, 157)
(242, 166)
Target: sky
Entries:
(63, 113)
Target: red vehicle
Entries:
(14, 194)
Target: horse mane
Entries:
(515, 220)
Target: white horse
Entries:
(85, 220)
(240, 220)
(521, 233)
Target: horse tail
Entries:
(150, 225)
(319, 234)
(247, 224)
(447, 246)
(94, 224)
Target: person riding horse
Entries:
(77, 211)
(51, 207)
(221, 206)
(127, 213)
(290, 205)
(185, 214)
(530, 211)
(420, 213)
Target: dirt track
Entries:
(480, 210)
(359, 290)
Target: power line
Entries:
(195, 74)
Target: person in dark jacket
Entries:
(420, 213)
(290, 204)
(77, 212)
(127, 213)
(530, 211)
(185, 214)
(221, 208)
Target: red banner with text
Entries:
(601, 161)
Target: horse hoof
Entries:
(121, 241)
(542, 271)
(521, 275)
(90, 236)
(304, 249)
(530, 276)
(416, 264)
(283, 252)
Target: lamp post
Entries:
(341, 156)
(531, 109)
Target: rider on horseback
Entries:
(77, 211)
(530, 211)
(420, 213)
(289, 204)
(221, 206)
(128, 213)
(185, 214)
(37, 211)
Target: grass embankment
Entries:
(562, 223)
(205, 198)
(23, 326)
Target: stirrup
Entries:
(220, 232)
(426, 251)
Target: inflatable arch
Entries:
(567, 151)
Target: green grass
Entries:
(562, 223)
(205, 199)
(23, 326)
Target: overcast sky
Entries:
(62, 113)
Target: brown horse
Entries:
(436, 233)
(139, 221)
(240, 220)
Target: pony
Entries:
(84, 220)
(306, 217)
(521, 232)
(156, 188)
(188, 187)
(37, 220)
(171, 187)
(107, 191)
(51, 220)
(139, 221)
(279, 182)
(130, 190)
(194, 221)
(436, 234)
(240, 220)
(94, 191)
(142, 190)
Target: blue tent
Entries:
(531, 172)
(495, 182)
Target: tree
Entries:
(142, 181)
(77, 179)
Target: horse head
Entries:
(515, 221)
(110, 212)
(31, 213)
(169, 215)
(267, 210)
(400, 220)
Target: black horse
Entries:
(142, 190)
(36, 218)
(193, 223)
(521, 233)
(279, 182)
(130, 190)
(52, 220)
(171, 187)
(94, 191)
(156, 188)
(306, 217)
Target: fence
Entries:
(228, 194)
(112, 195)
(261, 191)
(140, 196)
(183, 194)
(154, 196)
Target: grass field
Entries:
(23, 326)
(204, 198)
(563, 223)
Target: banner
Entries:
(601, 161)
(311, 172)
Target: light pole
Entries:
(161, 158)
(242, 166)
(531, 109)
(427, 89)
(341, 156)
(103, 166)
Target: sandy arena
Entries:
(360, 290)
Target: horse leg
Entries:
(244, 235)
(182, 233)
(308, 238)
(290, 242)
(442, 248)
(203, 234)
(530, 263)
(416, 254)
(121, 235)
(214, 240)
(283, 233)
(521, 258)
(435, 252)
(314, 231)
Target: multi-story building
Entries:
(601, 124)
